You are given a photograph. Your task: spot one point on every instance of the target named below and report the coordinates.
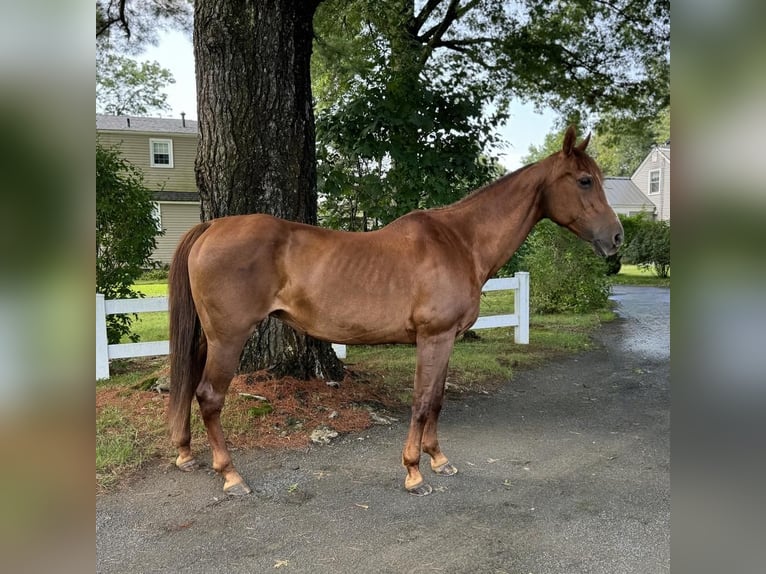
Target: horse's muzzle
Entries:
(608, 247)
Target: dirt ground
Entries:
(564, 469)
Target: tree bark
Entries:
(256, 151)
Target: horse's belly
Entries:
(340, 326)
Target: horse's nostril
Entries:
(618, 239)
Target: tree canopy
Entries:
(409, 94)
(123, 29)
(619, 147)
(125, 86)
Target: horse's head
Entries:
(573, 196)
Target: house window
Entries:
(161, 153)
(654, 182)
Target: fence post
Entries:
(521, 308)
(102, 345)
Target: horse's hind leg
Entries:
(222, 362)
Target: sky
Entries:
(174, 52)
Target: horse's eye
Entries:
(585, 181)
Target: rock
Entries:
(381, 419)
(323, 435)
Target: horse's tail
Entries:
(188, 346)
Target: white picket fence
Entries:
(519, 320)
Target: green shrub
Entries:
(613, 263)
(158, 274)
(566, 276)
(648, 246)
(125, 233)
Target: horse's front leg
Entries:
(433, 352)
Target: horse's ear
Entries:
(584, 143)
(569, 140)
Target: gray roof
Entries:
(621, 191)
(141, 124)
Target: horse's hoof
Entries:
(445, 470)
(188, 465)
(422, 489)
(237, 489)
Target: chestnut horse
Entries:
(417, 280)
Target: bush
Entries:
(613, 264)
(566, 276)
(158, 274)
(125, 233)
(648, 246)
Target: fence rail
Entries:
(519, 320)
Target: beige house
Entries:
(653, 179)
(164, 149)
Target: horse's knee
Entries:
(210, 401)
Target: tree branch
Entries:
(120, 18)
(427, 10)
(434, 35)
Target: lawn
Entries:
(633, 275)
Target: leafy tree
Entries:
(619, 145)
(568, 277)
(395, 148)
(124, 86)
(125, 232)
(403, 90)
(622, 143)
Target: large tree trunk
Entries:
(256, 151)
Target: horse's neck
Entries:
(495, 220)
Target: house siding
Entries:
(135, 148)
(656, 160)
(174, 187)
(176, 218)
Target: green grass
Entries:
(150, 326)
(152, 289)
(632, 275)
(117, 446)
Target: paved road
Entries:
(565, 470)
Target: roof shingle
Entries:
(623, 192)
(141, 124)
